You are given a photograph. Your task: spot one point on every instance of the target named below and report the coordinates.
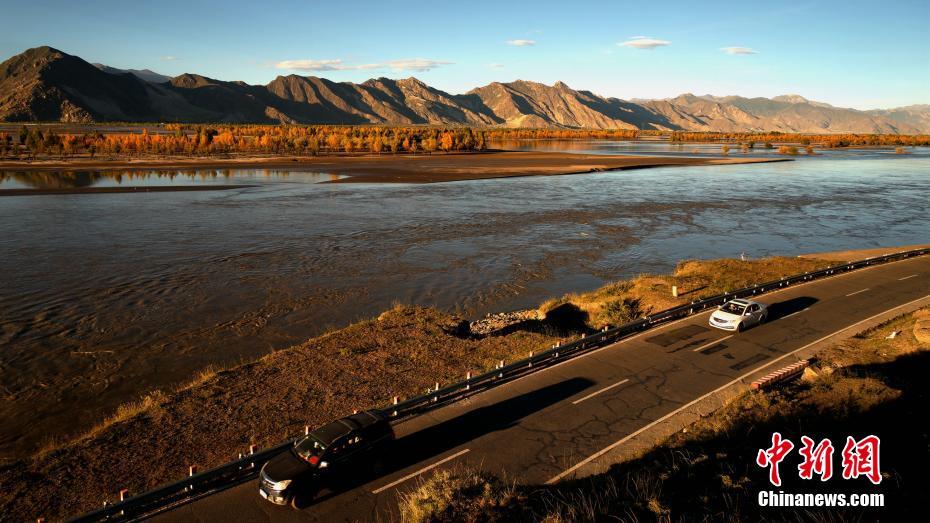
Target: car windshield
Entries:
(309, 450)
(734, 308)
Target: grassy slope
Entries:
(212, 419)
(866, 385)
(626, 300)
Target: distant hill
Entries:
(45, 84)
(142, 74)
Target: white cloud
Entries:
(496, 65)
(409, 64)
(414, 64)
(312, 65)
(643, 42)
(169, 58)
(521, 42)
(739, 50)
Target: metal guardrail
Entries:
(203, 483)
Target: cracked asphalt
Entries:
(535, 428)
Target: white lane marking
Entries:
(623, 440)
(908, 277)
(857, 292)
(702, 347)
(605, 389)
(421, 471)
(796, 312)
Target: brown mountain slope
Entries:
(532, 104)
(47, 84)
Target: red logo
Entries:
(817, 460)
(860, 458)
(772, 456)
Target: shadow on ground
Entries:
(785, 308)
(438, 439)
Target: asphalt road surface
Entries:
(544, 426)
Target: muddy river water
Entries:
(106, 296)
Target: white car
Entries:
(737, 315)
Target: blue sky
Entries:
(854, 54)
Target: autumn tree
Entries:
(447, 141)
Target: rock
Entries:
(922, 331)
(495, 322)
(809, 375)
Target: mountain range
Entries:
(45, 84)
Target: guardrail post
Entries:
(500, 366)
(468, 380)
(396, 401)
(307, 429)
(675, 291)
(354, 411)
(190, 472)
(531, 359)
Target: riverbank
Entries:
(402, 352)
(405, 168)
(120, 190)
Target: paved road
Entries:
(541, 427)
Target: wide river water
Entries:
(106, 296)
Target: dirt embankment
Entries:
(399, 168)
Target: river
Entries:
(106, 296)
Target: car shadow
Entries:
(435, 440)
(785, 308)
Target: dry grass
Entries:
(869, 384)
(623, 301)
(463, 494)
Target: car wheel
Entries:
(764, 318)
(739, 327)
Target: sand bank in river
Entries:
(400, 168)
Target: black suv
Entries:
(329, 450)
